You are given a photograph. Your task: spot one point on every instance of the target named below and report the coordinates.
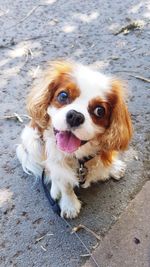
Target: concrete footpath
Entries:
(128, 242)
(32, 33)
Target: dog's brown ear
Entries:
(119, 133)
(43, 91)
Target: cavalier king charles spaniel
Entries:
(79, 124)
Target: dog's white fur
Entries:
(36, 153)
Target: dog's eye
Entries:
(99, 111)
(62, 97)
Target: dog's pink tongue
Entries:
(68, 142)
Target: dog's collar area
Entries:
(82, 170)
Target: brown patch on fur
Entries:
(42, 93)
(107, 157)
(104, 121)
(119, 133)
(34, 125)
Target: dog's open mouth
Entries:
(67, 141)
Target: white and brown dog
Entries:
(79, 123)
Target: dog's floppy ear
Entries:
(119, 133)
(43, 91)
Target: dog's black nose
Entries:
(74, 118)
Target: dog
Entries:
(79, 124)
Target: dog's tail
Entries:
(30, 152)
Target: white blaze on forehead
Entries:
(90, 82)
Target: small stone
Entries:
(137, 241)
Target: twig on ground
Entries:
(134, 25)
(95, 246)
(135, 76)
(84, 245)
(28, 52)
(40, 238)
(141, 78)
(33, 38)
(127, 71)
(85, 255)
(81, 226)
(28, 15)
(43, 248)
(15, 116)
(18, 117)
(136, 157)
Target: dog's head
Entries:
(81, 105)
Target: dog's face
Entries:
(79, 109)
(81, 105)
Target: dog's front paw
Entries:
(70, 206)
(118, 169)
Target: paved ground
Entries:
(128, 242)
(84, 31)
